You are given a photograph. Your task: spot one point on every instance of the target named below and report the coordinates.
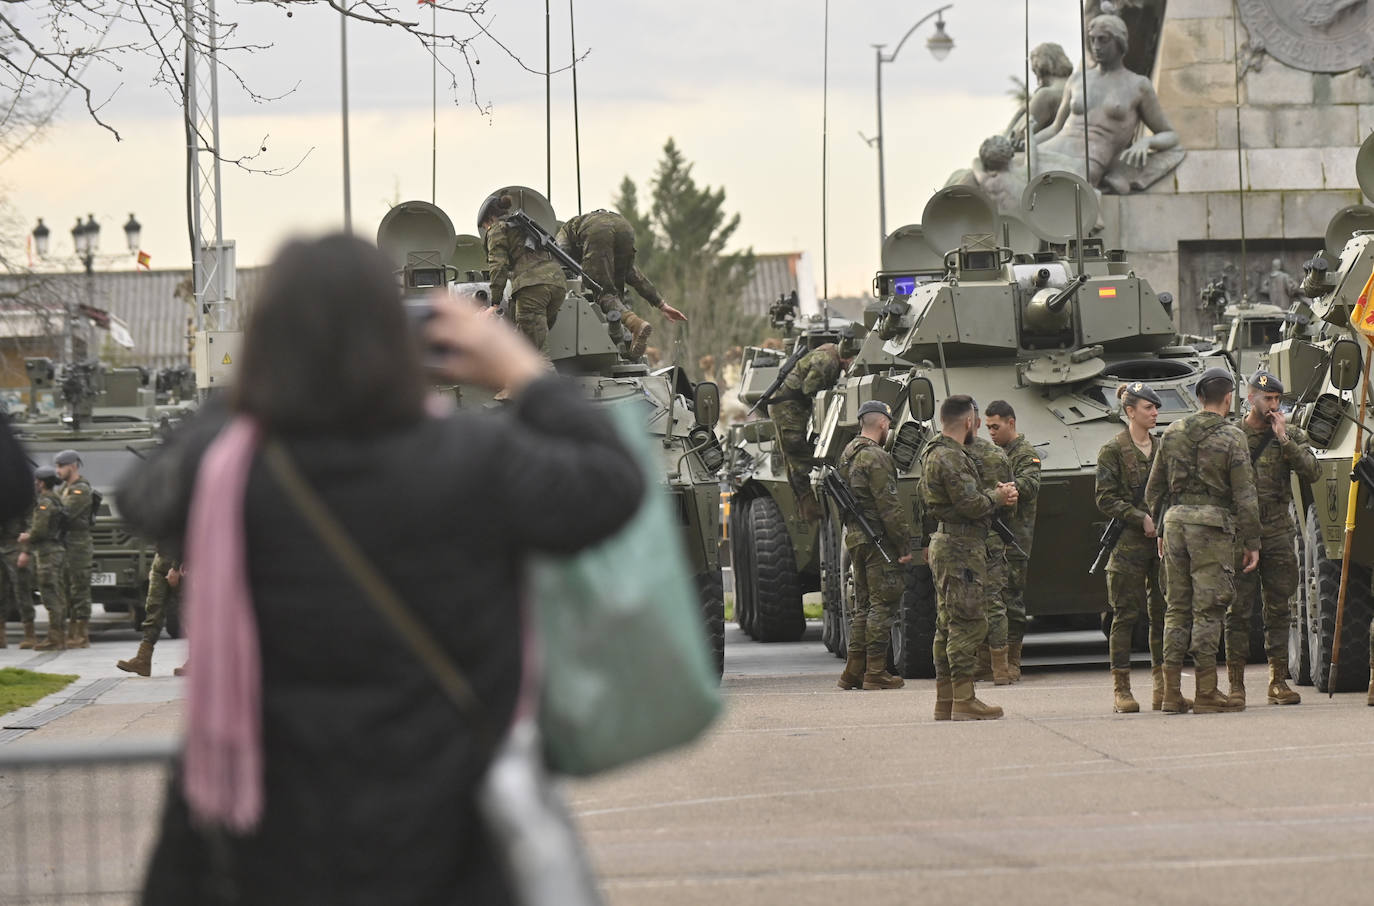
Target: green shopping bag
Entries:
(627, 671)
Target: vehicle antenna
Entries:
(1240, 170)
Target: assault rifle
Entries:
(843, 495)
(1112, 533)
(783, 372)
(541, 239)
(1004, 532)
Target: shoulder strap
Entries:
(1259, 451)
(377, 590)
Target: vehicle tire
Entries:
(711, 591)
(775, 596)
(913, 632)
(1354, 640)
(829, 570)
(1299, 653)
(741, 559)
(846, 602)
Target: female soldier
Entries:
(537, 286)
(1123, 467)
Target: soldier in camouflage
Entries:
(537, 286)
(869, 471)
(958, 558)
(1025, 468)
(994, 469)
(790, 410)
(1278, 451)
(45, 541)
(603, 242)
(1133, 584)
(79, 503)
(1202, 482)
(164, 594)
(16, 582)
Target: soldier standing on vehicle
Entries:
(78, 500)
(790, 410)
(958, 558)
(603, 242)
(537, 286)
(46, 541)
(164, 593)
(1203, 483)
(1133, 586)
(993, 469)
(1025, 467)
(1278, 451)
(16, 583)
(869, 471)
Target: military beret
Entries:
(877, 406)
(1215, 374)
(67, 458)
(45, 474)
(1144, 391)
(1266, 382)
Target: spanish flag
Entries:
(145, 260)
(1362, 318)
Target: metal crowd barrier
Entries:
(78, 819)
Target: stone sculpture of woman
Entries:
(1051, 68)
(1118, 102)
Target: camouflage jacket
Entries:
(993, 467)
(77, 501)
(869, 471)
(46, 529)
(1025, 468)
(510, 258)
(1202, 474)
(818, 370)
(953, 489)
(11, 530)
(1122, 471)
(1274, 469)
(581, 237)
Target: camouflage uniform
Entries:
(16, 583)
(869, 471)
(1277, 573)
(162, 597)
(78, 502)
(1133, 583)
(1202, 473)
(603, 242)
(790, 410)
(958, 555)
(993, 468)
(1025, 468)
(537, 286)
(46, 544)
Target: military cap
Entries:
(877, 406)
(66, 458)
(1215, 374)
(1144, 391)
(1266, 382)
(45, 474)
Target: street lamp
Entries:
(40, 238)
(86, 243)
(133, 231)
(939, 45)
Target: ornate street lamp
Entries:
(40, 239)
(133, 230)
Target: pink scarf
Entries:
(223, 775)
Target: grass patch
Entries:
(811, 609)
(21, 688)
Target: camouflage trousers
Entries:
(51, 576)
(790, 420)
(16, 588)
(162, 598)
(1199, 584)
(1016, 597)
(607, 255)
(995, 592)
(1275, 581)
(961, 623)
(80, 553)
(1135, 593)
(535, 309)
(878, 587)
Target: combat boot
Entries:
(851, 678)
(944, 698)
(1014, 660)
(1279, 691)
(877, 676)
(1157, 693)
(30, 638)
(56, 640)
(78, 638)
(182, 670)
(640, 330)
(966, 705)
(1235, 673)
(1001, 670)
(983, 673)
(1173, 701)
(1124, 702)
(1209, 699)
(141, 663)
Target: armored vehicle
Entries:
(1249, 330)
(1051, 322)
(428, 254)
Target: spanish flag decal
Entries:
(1106, 292)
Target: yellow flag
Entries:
(1362, 318)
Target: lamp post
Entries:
(86, 243)
(939, 45)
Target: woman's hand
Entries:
(1138, 154)
(476, 349)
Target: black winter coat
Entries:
(370, 771)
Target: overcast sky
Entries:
(737, 84)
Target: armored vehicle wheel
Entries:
(846, 605)
(832, 632)
(710, 588)
(1324, 583)
(913, 632)
(776, 593)
(742, 561)
(1299, 654)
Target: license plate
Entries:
(102, 578)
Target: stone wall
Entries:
(1299, 132)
